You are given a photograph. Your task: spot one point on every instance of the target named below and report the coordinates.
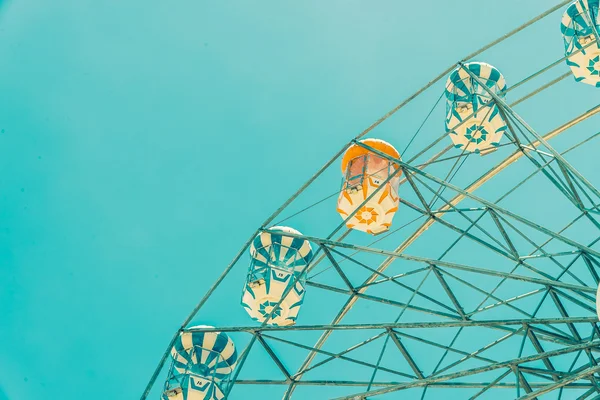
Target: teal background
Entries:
(143, 141)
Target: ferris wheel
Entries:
(464, 262)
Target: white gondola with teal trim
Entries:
(192, 387)
(473, 119)
(278, 262)
(578, 24)
(201, 362)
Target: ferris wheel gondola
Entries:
(580, 26)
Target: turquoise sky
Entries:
(142, 142)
